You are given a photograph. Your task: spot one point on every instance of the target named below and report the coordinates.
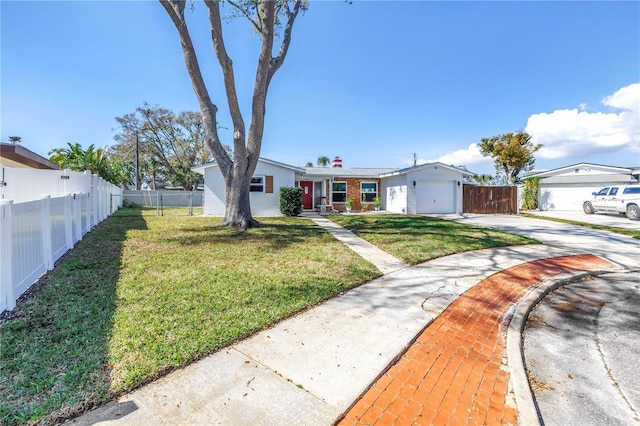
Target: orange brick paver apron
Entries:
(454, 373)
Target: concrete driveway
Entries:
(617, 248)
(581, 348)
(619, 221)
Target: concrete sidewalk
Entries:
(311, 368)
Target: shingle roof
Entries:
(346, 172)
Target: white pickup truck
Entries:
(622, 199)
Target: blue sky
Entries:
(372, 82)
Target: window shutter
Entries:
(269, 185)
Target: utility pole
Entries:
(137, 162)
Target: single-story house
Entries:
(566, 188)
(266, 182)
(427, 188)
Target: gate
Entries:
(490, 199)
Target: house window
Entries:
(369, 191)
(257, 184)
(338, 192)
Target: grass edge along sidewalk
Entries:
(416, 239)
(143, 295)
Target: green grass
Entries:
(142, 295)
(624, 231)
(415, 239)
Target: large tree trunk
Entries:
(246, 147)
(238, 209)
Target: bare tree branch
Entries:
(226, 63)
(175, 9)
(277, 62)
(243, 11)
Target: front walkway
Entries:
(381, 259)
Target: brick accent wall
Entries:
(353, 191)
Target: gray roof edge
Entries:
(426, 165)
(601, 166)
(200, 168)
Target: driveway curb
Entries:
(525, 401)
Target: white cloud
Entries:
(573, 132)
(461, 157)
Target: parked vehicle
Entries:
(622, 199)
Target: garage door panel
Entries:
(566, 197)
(435, 196)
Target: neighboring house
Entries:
(17, 156)
(566, 188)
(428, 188)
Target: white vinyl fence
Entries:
(42, 222)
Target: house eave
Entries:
(201, 168)
(614, 169)
(12, 155)
(425, 166)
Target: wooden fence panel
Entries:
(490, 199)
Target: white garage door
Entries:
(565, 196)
(435, 196)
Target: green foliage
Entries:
(168, 145)
(530, 193)
(309, 164)
(512, 153)
(290, 201)
(97, 161)
(349, 203)
(482, 179)
(323, 161)
(377, 202)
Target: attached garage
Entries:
(435, 196)
(568, 187)
(433, 188)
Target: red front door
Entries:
(307, 194)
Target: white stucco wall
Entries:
(262, 204)
(439, 176)
(394, 194)
(567, 196)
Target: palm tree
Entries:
(78, 159)
(323, 161)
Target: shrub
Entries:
(290, 201)
(530, 193)
(349, 202)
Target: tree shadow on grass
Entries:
(275, 234)
(54, 352)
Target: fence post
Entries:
(7, 292)
(68, 221)
(77, 217)
(45, 225)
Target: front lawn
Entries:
(416, 239)
(142, 295)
